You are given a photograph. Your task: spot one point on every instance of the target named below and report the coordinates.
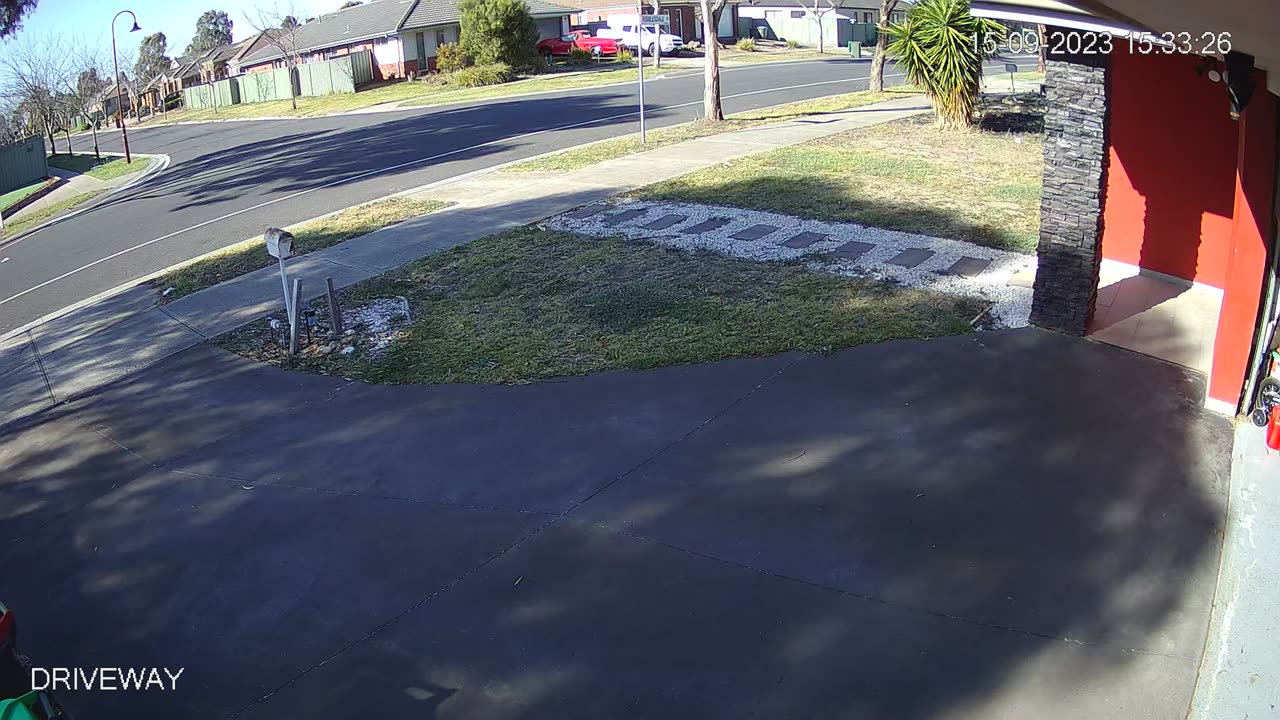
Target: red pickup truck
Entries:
(559, 46)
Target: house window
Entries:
(797, 14)
(866, 18)
(440, 39)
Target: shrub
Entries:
(481, 75)
(578, 56)
(624, 55)
(498, 31)
(451, 58)
(747, 45)
(793, 44)
(937, 44)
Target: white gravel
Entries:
(1011, 305)
(380, 321)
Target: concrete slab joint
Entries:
(1071, 205)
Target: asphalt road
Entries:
(229, 181)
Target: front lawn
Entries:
(106, 168)
(35, 217)
(529, 304)
(252, 254)
(978, 186)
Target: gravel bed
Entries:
(1010, 305)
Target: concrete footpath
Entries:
(65, 356)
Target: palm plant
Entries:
(940, 44)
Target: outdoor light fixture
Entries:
(115, 62)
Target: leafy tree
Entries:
(936, 45)
(152, 60)
(882, 45)
(11, 14)
(213, 29)
(498, 31)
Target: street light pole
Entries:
(115, 63)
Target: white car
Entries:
(653, 38)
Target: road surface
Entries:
(229, 181)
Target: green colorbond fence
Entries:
(264, 86)
(222, 93)
(22, 163)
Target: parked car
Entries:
(560, 46)
(628, 33)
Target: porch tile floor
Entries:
(1156, 317)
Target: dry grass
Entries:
(983, 187)
(528, 304)
(580, 157)
(252, 254)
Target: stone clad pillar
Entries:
(1076, 148)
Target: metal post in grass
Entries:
(1011, 68)
(640, 62)
(124, 135)
(294, 320)
(335, 312)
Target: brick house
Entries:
(1161, 169)
(685, 17)
(401, 35)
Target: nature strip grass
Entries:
(252, 254)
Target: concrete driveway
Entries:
(1008, 525)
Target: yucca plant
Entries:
(939, 45)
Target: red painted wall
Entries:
(1171, 184)
(1253, 231)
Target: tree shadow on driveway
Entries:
(908, 529)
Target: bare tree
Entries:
(36, 70)
(279, 29)
(818, 13)
(85, 84)
(710, 10)
(127, 58)
(882, 45)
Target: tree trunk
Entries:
(657, 56)
(711, 108)
(817, 16)
(1043, 48)
(53, 138)
(94, 127)
(882, 46)
(66, 131)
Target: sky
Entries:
(90, 20)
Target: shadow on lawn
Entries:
(823, 198)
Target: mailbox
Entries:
(279, 243)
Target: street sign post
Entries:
(640, 67)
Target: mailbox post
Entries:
(280, 246)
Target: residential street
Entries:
(228, 181)
(901, 530)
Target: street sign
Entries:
(662, 21)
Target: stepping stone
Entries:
(588, 211)
(805, 239)
(625, 215)
(911, 258)
(968, 267)
(665, 222)
(705, 226)
(755, 232)
(852, 250)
